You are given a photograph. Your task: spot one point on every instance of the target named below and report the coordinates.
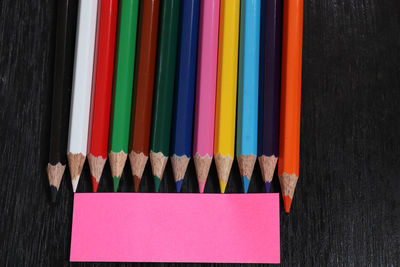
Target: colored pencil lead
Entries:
(95, 184)
(53, 193)
(267, 187)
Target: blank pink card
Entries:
(150, 227)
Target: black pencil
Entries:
(61, 95)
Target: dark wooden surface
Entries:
(346, 207)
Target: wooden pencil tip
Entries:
(158, 162)
(95, 184)
(138, 163)
(117, 163)
(288, 185)
(224, 165)
(267, 166)
(116, 183)
(136, 183)
(179, 166)
(55, 174)
(157, 182)
(287, 202)
(245, 183)
(202, 166)
(246, 167)
(75, 163)
(96, 165)
(53, 193)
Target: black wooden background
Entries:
(346, 207)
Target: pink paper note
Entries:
(149, 227)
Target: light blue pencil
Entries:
(247, 109)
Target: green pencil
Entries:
(164, 88)
(123, 82)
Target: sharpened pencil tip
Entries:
(201, 187)
(95, 184)
(157, 182)
(53, 193)
(222, 186)
(267, 187)
(287, 202)
(116, 183)
(245, 183)
(178, 185)
(136, 183)
(75, 182)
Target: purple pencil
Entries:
(270, 77)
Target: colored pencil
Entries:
(61, 98)
(164, 88)
(225, 120)
(247, 110)
(102, 89)
(182, 122)
(270, 81)
(143, 88)
(81, 88)
(123, 83)
(203, 136)
(289, 137)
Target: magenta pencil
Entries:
(203, 140)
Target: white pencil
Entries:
(81, 88)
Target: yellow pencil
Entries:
(224, 138)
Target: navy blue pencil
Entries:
(182, 122)
(270, 82)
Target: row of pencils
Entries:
(164, 79)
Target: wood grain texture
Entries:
(346, 209)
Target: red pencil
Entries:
(101, 99)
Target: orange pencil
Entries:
(289, 138)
